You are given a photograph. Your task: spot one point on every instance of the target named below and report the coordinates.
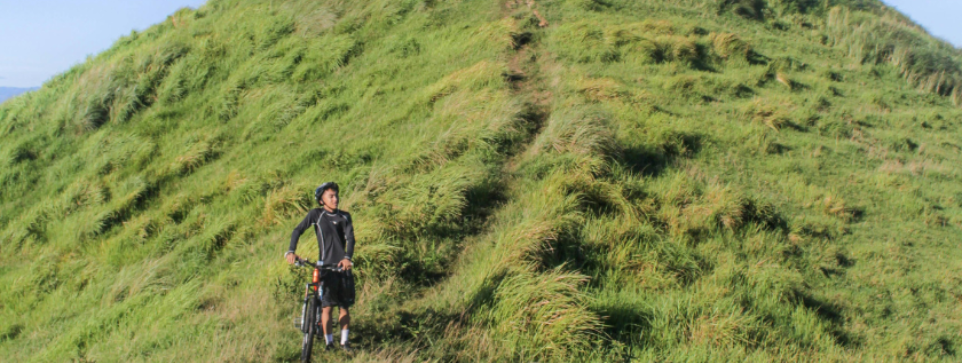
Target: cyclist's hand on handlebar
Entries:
(345, 265)
(292, 258)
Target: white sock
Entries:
(330, 338)
(344, 336)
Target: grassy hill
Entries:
(579, 180)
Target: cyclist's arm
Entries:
(296, 235)
(349, 238)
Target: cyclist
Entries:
(335, 240)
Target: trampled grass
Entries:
(685, 180)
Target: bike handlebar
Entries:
(303, 262)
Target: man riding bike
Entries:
(335, 240)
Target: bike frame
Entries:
(314, 289)
(310, 311)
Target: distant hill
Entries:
(9, 92)
(537, 180)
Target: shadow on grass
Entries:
(624, 324)
(832, 314)
(652, 161)
(482, 200)
(421, 328)
(426, 270)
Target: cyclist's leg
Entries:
(344, 317)
(328, 302)
(326, 320)
(345, 299)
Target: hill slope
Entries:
(543, 180)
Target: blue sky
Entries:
(41, 38)
(939, 17)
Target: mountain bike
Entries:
(308, 323)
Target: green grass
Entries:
(685, 180)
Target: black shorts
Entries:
(338, 289)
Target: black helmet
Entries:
(320, 190)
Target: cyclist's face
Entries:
(330, 199)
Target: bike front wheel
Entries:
(309, 319)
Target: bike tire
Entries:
(303, 323)
(308, 344)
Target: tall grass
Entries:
(688, 180)
(931, 65)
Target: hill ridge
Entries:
(10, 92)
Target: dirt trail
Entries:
(531, 88)
(528, 82)
(531, 4)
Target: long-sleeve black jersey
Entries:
(335, 235)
